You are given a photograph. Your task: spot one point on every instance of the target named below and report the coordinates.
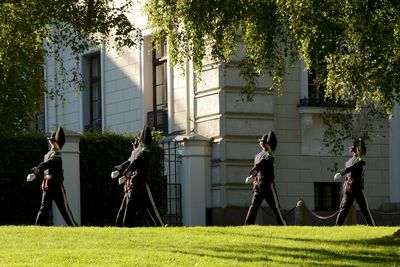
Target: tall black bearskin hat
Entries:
(360, 146)
(270, 139)
(58, 136)
(145, 136)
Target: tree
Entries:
(32, 29)
(354, 46)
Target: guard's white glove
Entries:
(35, 170)
(337, 176)
(114, 174)
(30, 177)
(249, 180)
(122, 180)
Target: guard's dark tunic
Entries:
(264, 188)
(138, 197)
(353, 189)
(53, 189)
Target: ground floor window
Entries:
(326, 196)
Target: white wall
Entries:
(394, 152)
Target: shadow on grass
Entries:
(311, 251)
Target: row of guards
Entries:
(138, 207)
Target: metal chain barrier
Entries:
(385, 213)
(284, 215)
(321, 217)
(301, 204)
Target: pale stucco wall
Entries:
(216, 112)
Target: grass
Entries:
(199, 246)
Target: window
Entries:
(95, 91)
(158, 117)
(315, 92)
(92, 106)
(326, 196)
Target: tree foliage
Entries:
(353, 45)
(32, 29)
(210, 29)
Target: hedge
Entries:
(20, 200)
(101, 196)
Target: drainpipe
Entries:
(46, 101)
(141, 80)
(103, 75)
(187, 74)
(56, 89)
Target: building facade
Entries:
(215, 132)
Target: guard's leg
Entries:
(132, 206)
(344, 208)
(42, 217)
(121, 212)
(272, 199)
(363, 204)
(60, 197)
(152, 208)
(255, 205)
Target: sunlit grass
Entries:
(199, 246)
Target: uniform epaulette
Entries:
(269, 157)
(144, 151)
(56, 155)
(360, 161)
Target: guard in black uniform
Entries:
(52, 184)
(262, 177)
(353, 186)
(137, 197)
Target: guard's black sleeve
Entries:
(122, 166)
(357, 165)
(52, 161)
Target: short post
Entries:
(300, 213)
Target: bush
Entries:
(20, 200)
(101, 196)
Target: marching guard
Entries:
(134, 173)
(52, 185)
(353, 186)
(262, 177)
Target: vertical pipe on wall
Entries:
(102, 84)
(56, 96)
(46, 101)
(141, 78)
(394, 154)
(187, 74)
(170, 91)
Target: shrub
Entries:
(20, 200)
(101, 196)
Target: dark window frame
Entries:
(95, 84)
(160, 59)
(158, 117)
(326, 196)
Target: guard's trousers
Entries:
(347, 201)
(138, 201)
(60, 198)
(265, 191)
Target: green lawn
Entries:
(199, 246)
